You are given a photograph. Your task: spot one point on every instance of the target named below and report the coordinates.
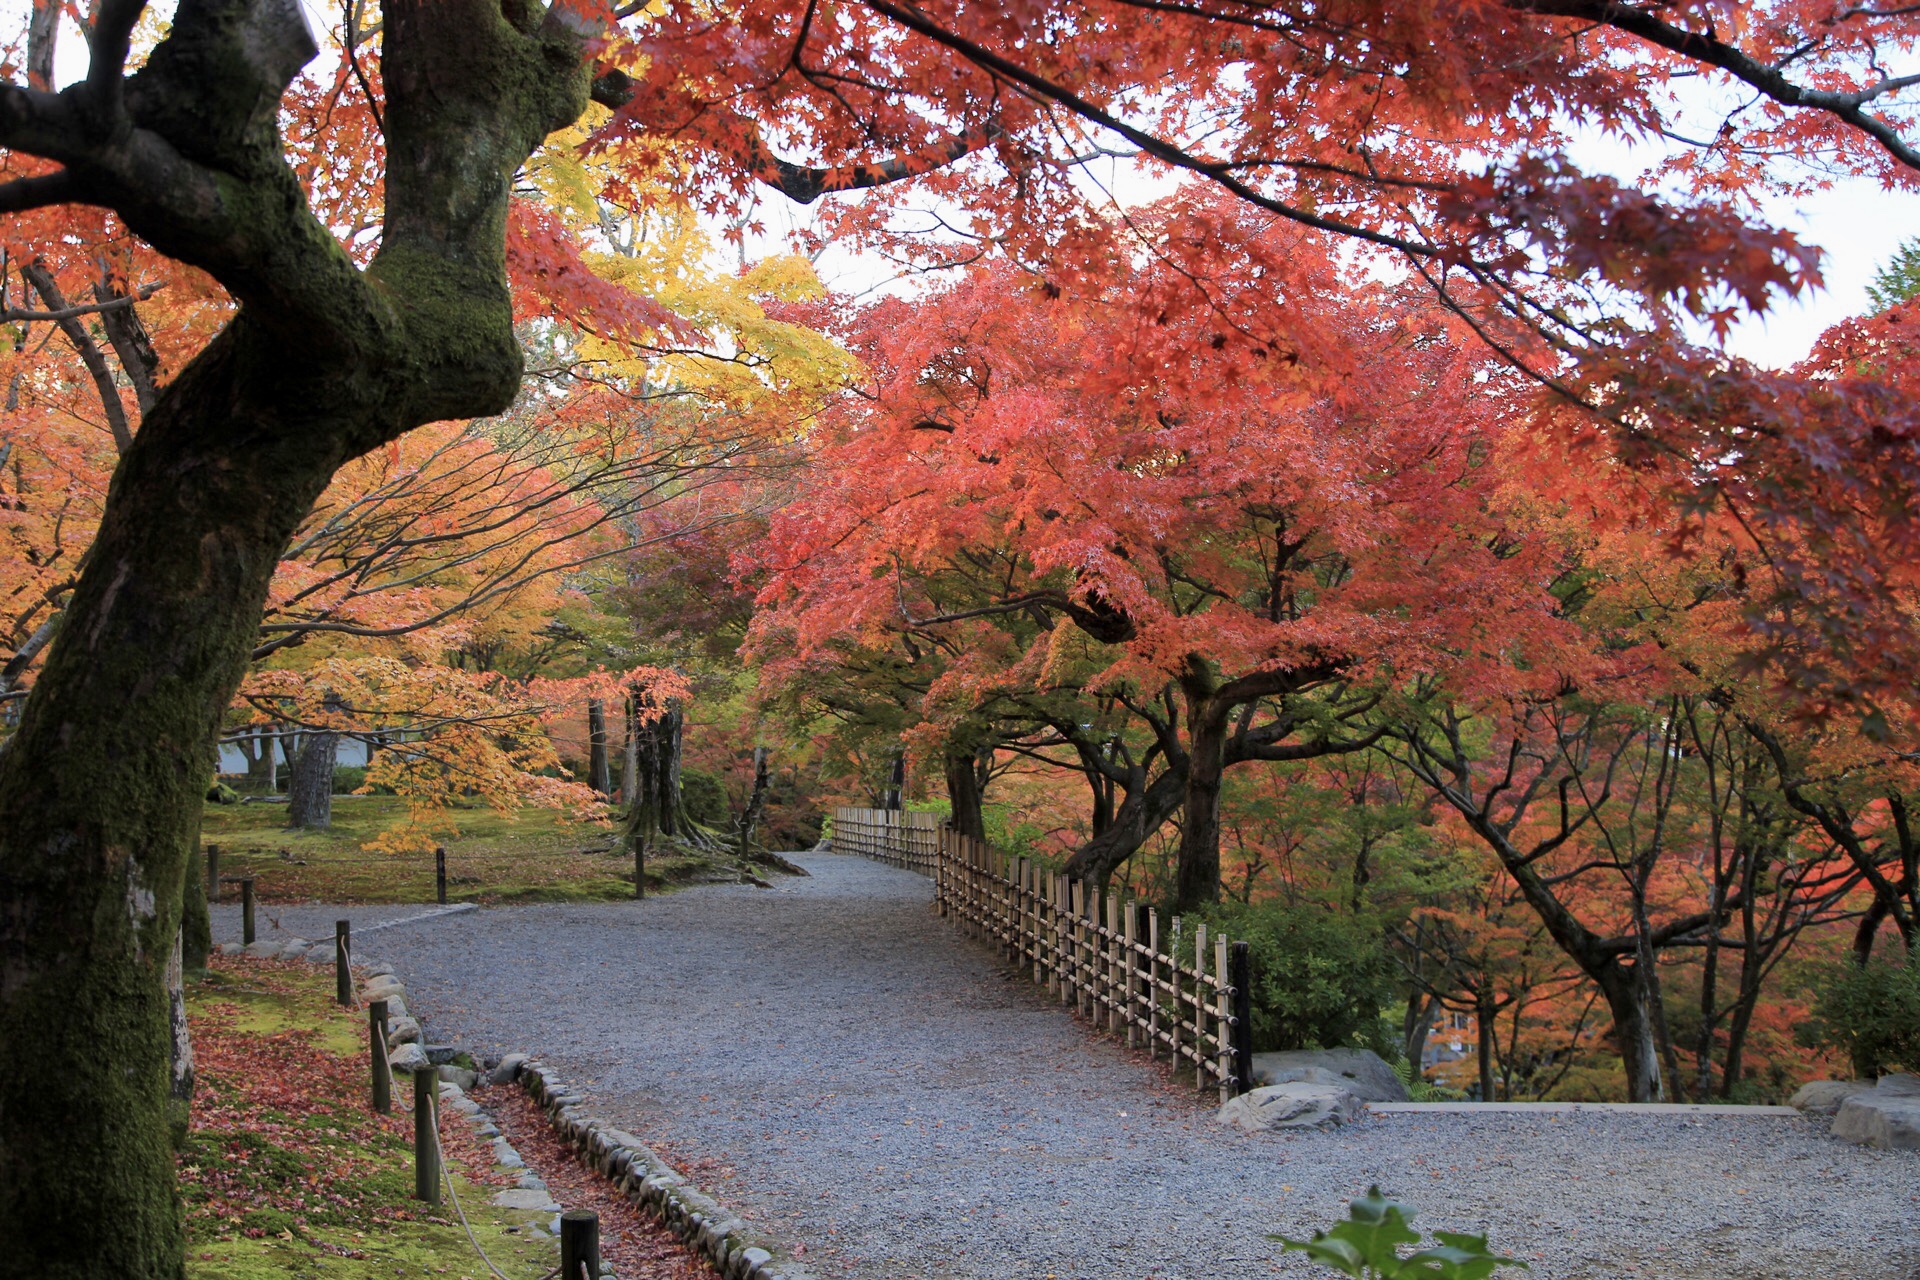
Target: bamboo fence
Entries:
(1173, 991)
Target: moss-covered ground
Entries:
(288, 1172)
(532, 855)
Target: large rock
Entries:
(1359, 1070)
(404, 1031)
(1299, 1105)
(1874, 1119)
(405, 1058)
(1898, 1085)
(508, 1069)
(1823, 1097)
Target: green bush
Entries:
(1869, 1012)
(705, 797)
(348, 778)
(1320, 976)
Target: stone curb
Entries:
(1712, 1110)
(736, 1250)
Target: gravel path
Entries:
(831, 1060)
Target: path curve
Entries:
(833, 1060)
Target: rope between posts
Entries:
(446, 1176)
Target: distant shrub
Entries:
(348, 778)
(1870, 1012)
(1320, 977)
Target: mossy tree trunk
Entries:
(310, 784)
(657, 810)
(101, 785)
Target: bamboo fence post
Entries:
(1110, 954)
(246, 910)
(1240, 973)
(1128, 974)
(1153, 982)
(1200, 1003)
(1223, 1065)
(1062, 956)
(440, 874)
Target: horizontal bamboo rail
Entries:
(1172, 990)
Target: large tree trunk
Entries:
(1634, 1032)
(599, 772)
(102, 784)
(656, 810)
(1197, 876)
(310, 785)
(964, 795)
(94, 853)
(630, 755)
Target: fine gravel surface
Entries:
(832, 1060)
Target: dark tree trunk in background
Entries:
(1485, 1011)
(965, 793)
(895, 796)
(756, 802)
(310, 786)
(1144, 811)
(1421, 1008)
(599, 772)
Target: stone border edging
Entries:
(1728, 1112)
(726, 1240)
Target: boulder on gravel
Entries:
(404, 1031)
(1886, 1116)
(1823, 1097)
(1299, 1105)
(1359, 1070)
(1898, 1085)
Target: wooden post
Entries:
(213, 873)
(1153, 982)
(1129, 971)
(342, 971)
(639, 867)
(1063, 926)
(426, 1134)
(377, 1057)
(1223, 1021)
(246, 910)
(579, 1245)
(1240, 974)
(440, 874)
(1200, 1003)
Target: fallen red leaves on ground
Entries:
(633, 1241)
